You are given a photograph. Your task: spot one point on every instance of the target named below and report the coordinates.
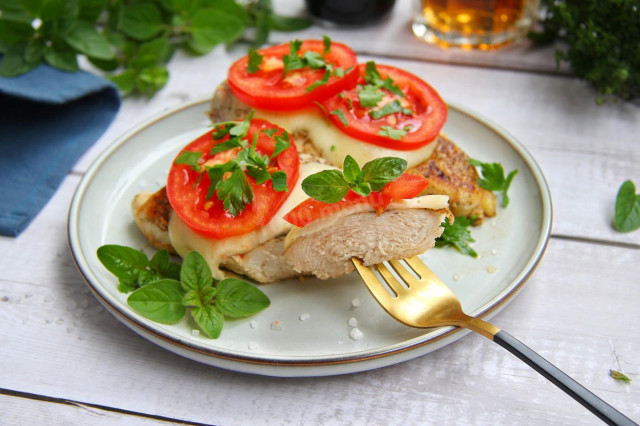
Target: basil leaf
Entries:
(381, 171)
(627, 210)
(124, 262)
(141, 21)
(192, 298)
(152, 79)
(13, 62)
(213, 26)
(237, 298)
(328, 186)
(126, 80)
(362, 188)
(209, 319)
(350, 169)
(165, 268)
(195, 273)
(255, 60)
(190, 158)
(159, 301)
(61, 57)
(279, 181)
(200, 297)
(85, 39)
(457, 235)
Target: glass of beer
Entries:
(473, 24)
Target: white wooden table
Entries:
(65, 360)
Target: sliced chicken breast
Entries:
(324, 248)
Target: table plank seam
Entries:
(597, 241)
(79, 404)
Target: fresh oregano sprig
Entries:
(493, 178)
(330, 186)
(131, 42)
(166, 298)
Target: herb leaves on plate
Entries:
(330, 186)
(457, 235)
(163, 291)
(627, 211)
(493, 178)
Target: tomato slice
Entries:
(187, 189)
(405, 187)
(270, 89)
(423, 112)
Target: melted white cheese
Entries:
(431, 202)
(185, 240)
(333, 144)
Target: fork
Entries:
(426, 302)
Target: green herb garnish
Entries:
(457, 235)
(134, 269)
(493, 178)
(330, 186)
(131, 41)
(255, 59)
(338, 113)
(370, 94)
(627, 213)
(388, 109)
(228, 181)
(394, 133)
(166, 297)
(311, 59)
(619, 376)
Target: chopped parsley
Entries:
(229, 181)
(394, 133)
(310, 59)
(493, 178)
(457, 235)
(255, 60)
(338, 113)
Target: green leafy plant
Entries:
(600, 41)
(627, 210)
(163, 291)
(131, 41)
(457, 235)
(330, 186)
(493, 178)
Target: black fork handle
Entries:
(593, 403)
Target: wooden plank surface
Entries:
(59, 342)
(579, 309)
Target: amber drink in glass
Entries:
(473, 24)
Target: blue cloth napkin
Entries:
(48, 119)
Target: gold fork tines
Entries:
(418, 302)
(427, 302)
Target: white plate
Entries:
(510, 246)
